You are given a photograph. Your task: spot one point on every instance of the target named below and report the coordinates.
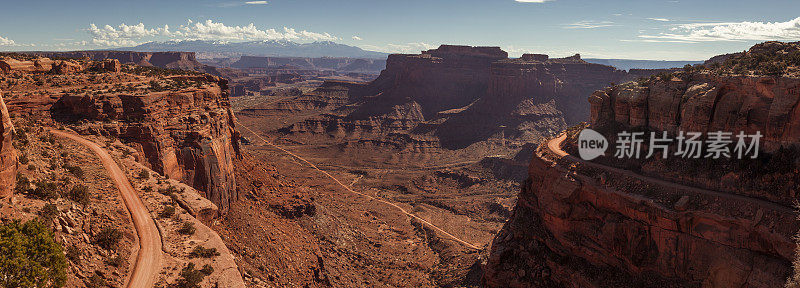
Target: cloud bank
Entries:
(131, 35)
(730, 31)
(6, 42)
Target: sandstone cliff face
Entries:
(456, 96)
(8, 157)
(187, 135)
(569, 230)
(707, 103)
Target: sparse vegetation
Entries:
(45, 190)
(203, 252)
(187, 228)
(48, 212)
(96, 281)
(191, 277)
(79, 193)
(167, 212)
(30, 256)
(108, 238)
(75, 170)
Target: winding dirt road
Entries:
(348, 189)
(148, 257)
(554, 145)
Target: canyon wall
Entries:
(706, 103)
(187, 135)
(667, 222)
(461, 95)
(8, 157)
(571, 230)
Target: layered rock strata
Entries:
(570, 230)
(187, 135)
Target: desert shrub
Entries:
(30, 256)
(75, 170)
(203, 252)
(144, 175)
(191, 277)
(108, 238)
(48, 212)
(96, 281)
(167, 212)
(187, 228)
(115, 261)
(45, 190)
(79, 193)
(23, 184)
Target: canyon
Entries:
(453, 167)
(660, 222)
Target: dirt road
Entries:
(348, 189)
(148, 257)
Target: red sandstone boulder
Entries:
(66, 67)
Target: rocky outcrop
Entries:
(66, 67)
(8, 156)
(173, 60)
(706, 102)
(571, 230)
(187, 135)
(37, 65)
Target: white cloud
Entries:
(256, 2)
(123, 35)
(210, 30)
(729, 31)
(659, 19)
(131, 35)
(589, 24)
(357, 38)
(6, 42)
(532, 1)
(407, 48)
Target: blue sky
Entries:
(645, 29)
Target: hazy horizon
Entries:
(657, 30)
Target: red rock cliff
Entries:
(187, 135)
(8, 157)
(570, 230)
(705, 103)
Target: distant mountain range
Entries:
(260, 48)
(627, 64)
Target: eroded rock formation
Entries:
(187, 135)
(707, 103)
(174, 60)
(456, 96)
(8, 157)
(569, 230)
